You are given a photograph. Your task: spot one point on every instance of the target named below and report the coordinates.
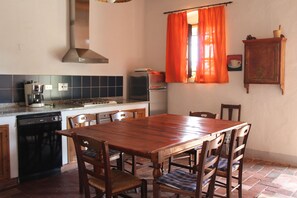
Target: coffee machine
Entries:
(34, 94)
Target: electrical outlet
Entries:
(48, 87)
(62, 86)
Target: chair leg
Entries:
(156, 189)
(144, 189)
(229, 185)
(81, 185)
(120, 162)
(169, 164)
(133, 165)
(240, 183)
(190, 162)
(196, 158)
(87, 192)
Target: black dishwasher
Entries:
(39, 147)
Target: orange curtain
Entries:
(212, 63)
(176, 47)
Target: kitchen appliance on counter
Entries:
(149, 85)
(39, 147)
(34, 94)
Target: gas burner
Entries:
(90, 102)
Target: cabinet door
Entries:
(4, 153)
(104, 117)
(140, 112)
(262, 64)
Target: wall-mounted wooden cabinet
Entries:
(264, 62)
(4, 154)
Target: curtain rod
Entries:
(210, 5)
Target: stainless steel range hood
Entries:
(79, 51)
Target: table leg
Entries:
(156, 174)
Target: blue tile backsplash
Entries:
(12, 87)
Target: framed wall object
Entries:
(264, 62)
(234, 62)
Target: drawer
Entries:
(106, 115)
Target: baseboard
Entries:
(271, 157)
(9, 183)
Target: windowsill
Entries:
(192, 79)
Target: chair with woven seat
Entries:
(191, 184)
(231, 167)
(97, 173)
(121, 116)
(193, 154)
(204, 114)
(229, 112)
(230, 109)
(83, 120)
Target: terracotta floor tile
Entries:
(251, 181)
(295, 194)
(269, 184)
(290, 171)
(258, 188)
(285, 192)
(256, 167)
(260, 179)
(274, 174)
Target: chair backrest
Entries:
(122, 115)
(96, 166)
(230, 110)
(207, 166)
(237, 144)
(83, 120)
(204, 114)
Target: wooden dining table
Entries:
(157, 137)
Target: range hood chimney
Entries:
(79, 51)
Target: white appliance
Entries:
(149, 85)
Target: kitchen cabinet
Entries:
(104, 117)
(4, 153)
(264, 62)
(140, 112)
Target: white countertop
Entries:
(14, 109)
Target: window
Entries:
(192, 55)
(196, 51)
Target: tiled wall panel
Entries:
(12, 87)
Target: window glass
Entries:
(193, 44)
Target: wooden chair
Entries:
(97, 173)
(190, 184)
(231, 168)
(83, 120)
(193, 154)
(121, 116)
(230, 110)
(204, 114)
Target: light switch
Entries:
(62, 86)
(48, 87)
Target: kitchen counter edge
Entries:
(14, 111)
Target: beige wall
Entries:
(273, 116)
(34, 37)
